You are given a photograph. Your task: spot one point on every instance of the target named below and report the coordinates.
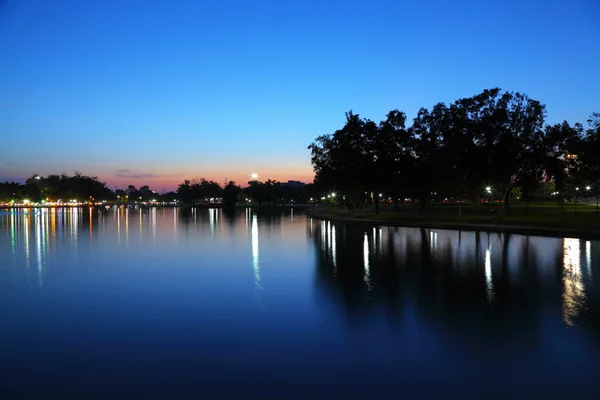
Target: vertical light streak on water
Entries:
(153, 216)
(323, 236)
(247, 218)
(38, 246)
(26, 240)
(380, 242)
(53, 223)
(333, 250)
(74, 226)
(573, 290)
(12, 232)
(175, 220)
(374, 240)
(367, 277)
(255, 258)
(488, 274)
(256, 262)
(74, 223)
(432, 242)
(588, 259)
(328, 235)
(119, 226)
(26, 237)
(46, 232)
(141, 229)
(127, 227)
(217, 219)
(211, 221)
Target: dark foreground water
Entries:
(172, 303)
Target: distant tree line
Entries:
(81, 187)
(270, 192)
(494, 141)
(78, 187)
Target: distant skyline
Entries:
(154, 92)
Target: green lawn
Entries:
(546, 215)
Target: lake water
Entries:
(206, 304)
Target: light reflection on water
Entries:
(299, 296)
(573, 292)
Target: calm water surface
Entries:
(207, 304)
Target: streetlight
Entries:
(254, 176)
(488, 189)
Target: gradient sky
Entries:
(152, 92)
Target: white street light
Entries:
(332, 194)
(488, 189)
(588, 187)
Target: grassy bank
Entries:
(547, 219)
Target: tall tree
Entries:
(342, 162)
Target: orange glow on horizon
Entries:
(171, 182)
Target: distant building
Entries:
(293, 184)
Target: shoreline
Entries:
(464, 226)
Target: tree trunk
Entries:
(375, 202)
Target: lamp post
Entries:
(587, 188)
(488, 191)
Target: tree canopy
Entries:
(494, 140)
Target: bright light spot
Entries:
(254, 176)
(332, 194)
(587, 187)
(577, 188)
(380, 195)
(488, 189)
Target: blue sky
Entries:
(151, 92)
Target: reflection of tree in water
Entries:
(474, 285)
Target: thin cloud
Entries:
(130, 174)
